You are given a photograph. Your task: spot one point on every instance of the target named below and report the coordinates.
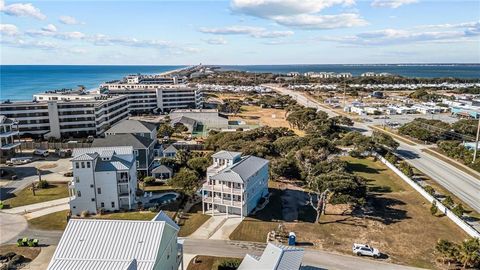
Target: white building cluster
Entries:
(399, 86)
(232, 88)
(327, 75)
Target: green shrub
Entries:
(430, 190)
(229, 264)
(434, 208)
(149, 180)
(42, 184)
(448, 202)
(458, 210)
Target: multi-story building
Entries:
(119, 244)
(143, 82)
(103, 178)
(160, 98)
(8, 132)
(66, 113)
(235, 184)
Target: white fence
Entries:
(462, 224)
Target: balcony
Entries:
(218, 200)
(222, 188)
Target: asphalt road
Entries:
(463, 185)
(313, 259)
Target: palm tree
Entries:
(448, 251)
(469, 252)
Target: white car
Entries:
(41, 152)
(365, 250)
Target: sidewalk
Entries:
(43, 259)
(36, 207)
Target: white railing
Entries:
(462, 224)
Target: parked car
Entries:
(18, 161)
(41, 152)
(365, 250)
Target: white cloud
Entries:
(77, 51)
(402, 36)
(69, 20)
(256, 32)
(9, 30)
(392, 3)
(22, 10)
(322, 21)
(50, 28)
(301, 14)
(30, 44)
(216, 41)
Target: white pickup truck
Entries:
(365, 250)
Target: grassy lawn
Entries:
(53, 221)
(400, 224)
(25, 196)
(192, 220)
(209, 263)
(141, 215)
(158, 188)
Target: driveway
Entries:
(11, 226)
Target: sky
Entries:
(239, 32)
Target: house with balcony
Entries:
(235, 184)
(103, 178)
(8, 132)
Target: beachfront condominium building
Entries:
(159, 98)
(235, 184)
(119, 244)
(139, 81)
(8, 134)
(103, 178)
(66, 113)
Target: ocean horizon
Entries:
(20, 82)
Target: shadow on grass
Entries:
(384, 210)
(362, 168)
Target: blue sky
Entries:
(240, 32)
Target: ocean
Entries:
(20, 82)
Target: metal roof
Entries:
(114, 164)
(162, 169)
(111, 244)
(274, 257)
(86, 156)
(226, 154)
(242, 170)
(171, 148)
(119, 150)
(128, 139)
(132, 126)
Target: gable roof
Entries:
(274, 257)
(127, 139)
(242, 170)
(103, 151)
(171, 148)
(132, 126)
(103, 244)
(226, 154)
(184, 120)
(162, 169)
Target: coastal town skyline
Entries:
(239, 32)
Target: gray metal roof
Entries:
(119, 150)
(162, 169)
(111, 244)
(242, 170)
(128, 139)
(274, 257)
(132, 126)
(226, 154)
(184, 120)
(171, 148)
(114, 164)
(85, 157)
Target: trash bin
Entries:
(292, 239)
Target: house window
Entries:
(79, 194)
(99, 190)
(102, 204)
(77, 179)
(77, 165)
(135, 152)
(113, 204)
(83, 165)
(88, 164)
(138, 163)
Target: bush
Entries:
(153, 209)
(149, 180)
(434, 208)
(1, 205)
(430, 190)
(42, 184)
(391, 158)
(229, 264)
(458, 210)
(84, 213)
(448, 202)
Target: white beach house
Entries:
(235, 184)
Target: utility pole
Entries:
(476, 142)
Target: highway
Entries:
(461, 184)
